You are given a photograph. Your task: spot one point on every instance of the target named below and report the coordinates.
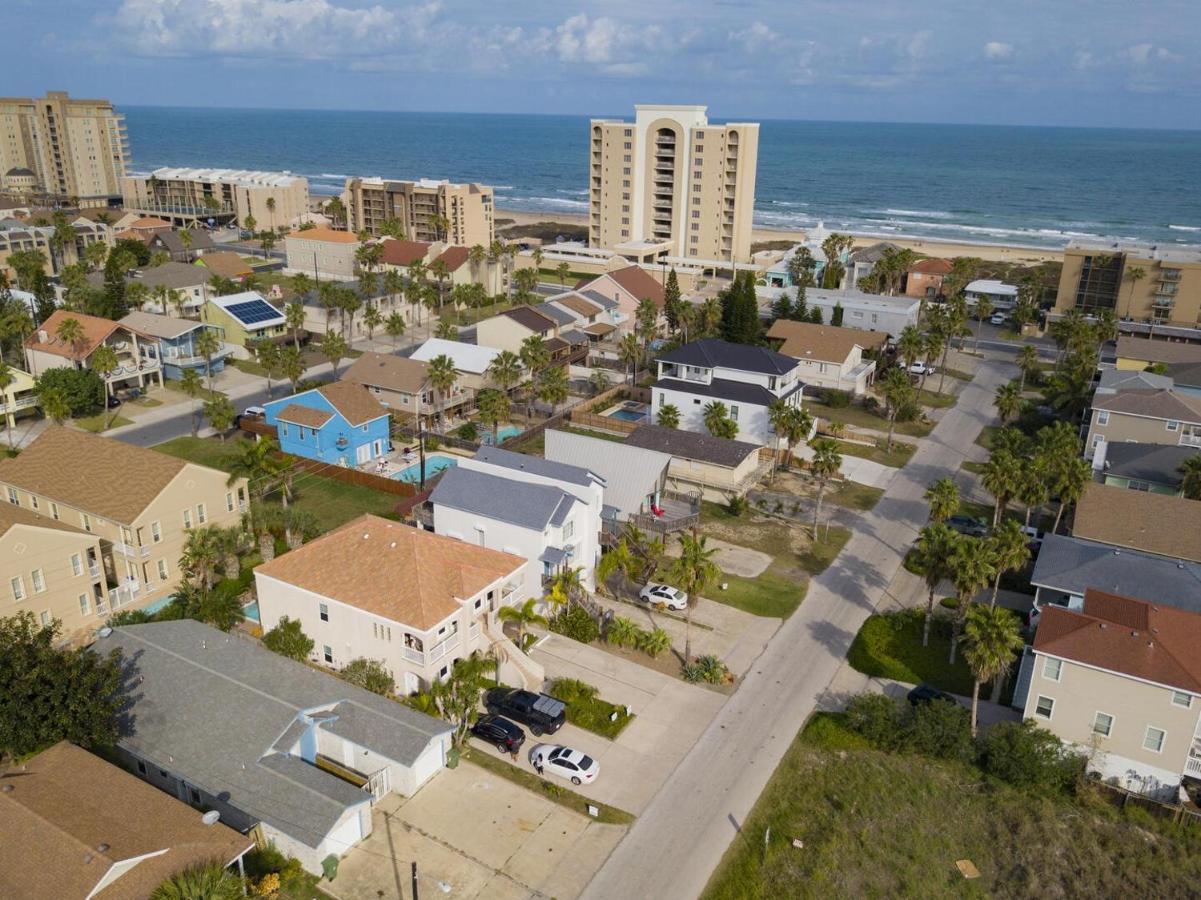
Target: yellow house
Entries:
(18, 395)
(244, 319)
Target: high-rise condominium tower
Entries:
(74, 148)
(671, 180)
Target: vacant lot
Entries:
(858, 417)
(890, 646)
(879, 825)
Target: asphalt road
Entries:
(677, 842)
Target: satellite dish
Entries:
(212, 817)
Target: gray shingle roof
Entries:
(721, 389)
(711, 352)
(691, 445)
(1158, 463)
(1114, 380)
(517, 502)
(210, 706)
(175, 275)
(1072, 565)
(598, 297)
(562, 317)
(631, 474)
(536, 465)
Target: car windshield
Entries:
(586, 762)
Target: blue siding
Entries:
(323, 444)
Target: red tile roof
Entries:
(454, 257)
(634, 280)
(1121, 634)
(403, 253)
(932, 267)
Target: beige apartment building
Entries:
(669, 184)
(427, 210)
(1143, 282)
(182, 196)
(1120, 681)
(139, 503)
(323, 252)
(1144, 417)
(74, 148)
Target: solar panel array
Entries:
(253, 311)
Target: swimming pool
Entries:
(627, 415)
(504, 434)
(251, 611)
(159, 604)
(433, 465)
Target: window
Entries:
(156, 532)
(229, 501)
(1052, 668)
(628, 145)
(18, 587)
(1044, 707)
(324, 612)
(568, 530)
(187, 518)
(328, 652)
(1154, 738)
(76, 564)
(626, 158)
(85, 605)
(141, 767)
(38, 581)
(1180, 698)
(284, 429)
(33, 502)
(201, 515)
(1102, 417)
(194, 794)
(625, 171)
(696, 214)
(1103, 724)
(1173, 426)
(162, 570)
(12, 497)
(54, 510)
(45, 617)
(734, 412)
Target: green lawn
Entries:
(96, 423)
(563, 796)
(935, 400)
(984, 438)
(205, 393)
(859, 417)
(873, 824)
(332, 503)
(249, 366)
(896, 457)
(976, 468)
(853, 495)
(769, 594)
(821, 553)
(890, 646)
(958, 374)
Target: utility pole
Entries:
(414, 878)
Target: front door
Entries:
(362, 453)
(412, 683)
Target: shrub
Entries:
(572, 690)
(877, 718)
(1030, 757)
(468, 431)
(837, 399)
(82, 388)
(288, 639)
(652, 643)
(737, 505)
(129, 617)
(431, 443)
(940, 729)
(622, 632)
(709, 669)
(871, 404)
(576, 624)
(369, 674)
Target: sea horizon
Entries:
(1038, 186)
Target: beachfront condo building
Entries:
(1139, 282)
(669, 184)
(272, 200)
(75, 150)
(427, 210)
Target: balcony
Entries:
(414, 656)
(124, 594)
(1170, 275)
(685, 373)
(1189, 440)
(23, 402)
(1192, 766)
(94, 569)
(173, 356)
(131, 552)
(441, 649)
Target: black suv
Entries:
(499, 731)
(969, 526)
(541, 712)
(925, 693)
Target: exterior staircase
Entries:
(515, 667)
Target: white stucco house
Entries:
(747, 379)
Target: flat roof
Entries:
(467, 357)
(239, 177)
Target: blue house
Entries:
(177, 342)
(340, 423)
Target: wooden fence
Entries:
(348, 475)
(1122, 797)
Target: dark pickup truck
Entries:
(541, 712)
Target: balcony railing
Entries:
(131, 551)
(439, 650)
(19, 403)
(1190, 440)
(1192, 766)
(94, 570)
(124, 594)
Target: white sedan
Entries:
(997, 319)
(579, 768)
(920, 368)
(664, 594)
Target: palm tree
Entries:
(372, 319)
(910, 345)
(798, 425)
(291, 365)
(104, 363)
(493, 406)
(777, 414)
(693, 572)
(1027, 361)
(992, 641)
(534, 356)
(6, 380)
(552, 387)
(563, 270)
(192, 385)
(714, 414)
(566, 587)
(505, 370)
(271, 209)
(710, 318)
(669, 416)
(983, 311)
(1134, 275)
(447, 330)
(294, 318)
(935, 544)
(257, 463)
(943, 497)
(1000, 479)
(599, 381)
(202, 553)
(334, 348)
(1010, 552)
(185, 238)
(267, 354)
(1190, 482)
(442, 375)
(208, 345)
(393, 285)
(1070, 482)
(972, 570)
(900, 399)
(69, 331)
(824, 466)
(206, 881)
(1008, 401)
(522, 616)
(394, 327)
(476, 257)
(440, 272)
(220, 413)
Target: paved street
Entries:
(679, 839)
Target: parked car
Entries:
(543, 713)
(996, 319)
(665, 594)
(969, 526)
(1034, 537)
(254, 412)
(500, 732)
(925, 693)
(579, 767)
(920, 368)
(114, 401)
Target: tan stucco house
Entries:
(1144, 417)
(830, 356)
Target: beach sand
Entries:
(925, 246)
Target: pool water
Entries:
(159, 604)
(433, 465)
(503, 434)
(251, 611)
(627, 415)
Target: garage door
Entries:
(345, 835)
(427, 764)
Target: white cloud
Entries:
(998, 50)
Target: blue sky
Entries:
(1071, 62)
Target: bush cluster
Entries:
(576, 624)
(83, 389)
(707, 668)
(622, 632)
(836, 399)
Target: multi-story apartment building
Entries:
(427, 210)
(1141, 282)
(138, 502)
(669, 184)
(185, 196)
(76, 149)
(1144, 417)
(1119, 680)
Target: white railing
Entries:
(414, 655)
(1192, 766)
(19, 403)
(1190, 440)
(126, 593)
(94, 570)
(441, 649)
(474, 630)
(126, 549)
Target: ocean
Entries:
(1033, 186)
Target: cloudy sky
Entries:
(1071, 62)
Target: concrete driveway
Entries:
(857, 469)
(474, 834)
(670, 717)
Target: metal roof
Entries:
(521, 503)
